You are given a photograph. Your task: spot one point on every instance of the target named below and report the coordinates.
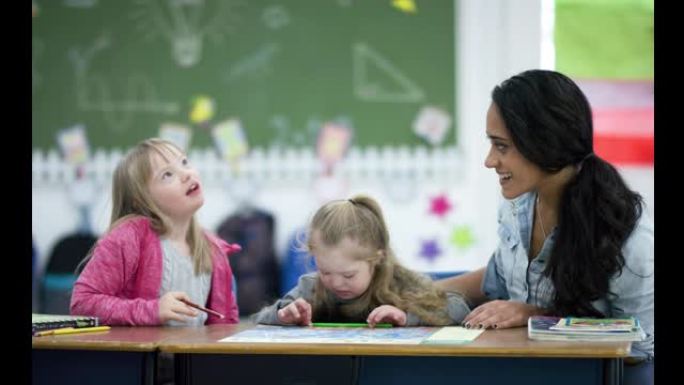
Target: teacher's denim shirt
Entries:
(509, 276)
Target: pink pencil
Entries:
(204, 309)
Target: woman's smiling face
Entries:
(517, 175)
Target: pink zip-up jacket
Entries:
(121, 282)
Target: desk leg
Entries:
(613, 371)
(182, 369)
(149, 369)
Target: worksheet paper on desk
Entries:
(453, 335)
(331, 335)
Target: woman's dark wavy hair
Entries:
(550, 122)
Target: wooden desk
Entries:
(495, 357)
(122, 355)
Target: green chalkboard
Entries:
(122, 68)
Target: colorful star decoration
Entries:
(462, 237)
(440, 205)
(430, 250)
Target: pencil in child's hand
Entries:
(204, 309)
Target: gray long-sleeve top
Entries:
(457, 307)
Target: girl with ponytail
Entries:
(359, 279)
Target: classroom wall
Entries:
(495, 39)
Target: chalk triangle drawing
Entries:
(391, 86)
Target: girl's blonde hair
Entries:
(360, 219)
(131, 198)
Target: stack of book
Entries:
(41, 323)
(584, 329)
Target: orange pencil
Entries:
(204, 309)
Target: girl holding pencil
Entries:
(156, 265)
(359, 280)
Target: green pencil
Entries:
(348, 325)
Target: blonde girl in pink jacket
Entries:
(155, 255)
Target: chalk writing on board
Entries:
(185, 23)
(284, 135)
(80, 3)
(275, 17)
(258, 63)
(94, 93)
(376, 79)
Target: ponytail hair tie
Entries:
(581, 162)
(231, 248)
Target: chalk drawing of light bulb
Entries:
(186, 23)
(119, 101)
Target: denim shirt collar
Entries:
(522, 212)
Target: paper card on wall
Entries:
(432, 124)
(406, 6)
(202, 110)
(73, 145)
(332, 144)
(177, 134)
(230, 139)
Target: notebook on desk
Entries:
(584, 329)
(40, 322)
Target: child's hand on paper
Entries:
(171, 307)
(388, 314)
(296, 313)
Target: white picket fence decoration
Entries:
(273, 165)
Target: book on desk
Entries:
(584, 329)
(42, 322)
